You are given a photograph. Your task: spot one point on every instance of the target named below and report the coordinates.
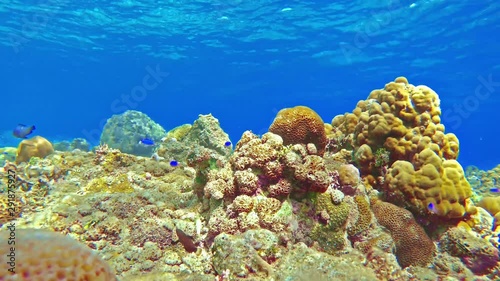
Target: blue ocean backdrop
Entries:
(68, 66)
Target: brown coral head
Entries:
(300, 125)
(34, 147)
(413, 245)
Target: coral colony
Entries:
(377, 193)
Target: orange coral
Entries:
(413, 245)
(34, 147)
(300, 125)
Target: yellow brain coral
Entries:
(47, 255)
(300, 125)
(34, 147)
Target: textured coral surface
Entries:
(300, 125)
(413, 246)
(46, 255)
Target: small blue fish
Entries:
(147, 142)
(494, 189)
(432, 208)
(227, 144)
(174, 163)
(22, 131)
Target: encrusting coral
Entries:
(480, 256)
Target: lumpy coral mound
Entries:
(50, 256)
(400, 147)
(300, 125)
(34, 147)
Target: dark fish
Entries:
(186, 241)
(22, 131)
(147, 142)
(174, 163)
(227, 143)
(494, 189)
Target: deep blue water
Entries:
(67, 64)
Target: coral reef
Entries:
(34, 147)
(300, 204)
(435, 182)
(484, 183)
(77, 143)
(9, 209)
(124, 131)
(179, 132)
(255, 249)
(303, 263)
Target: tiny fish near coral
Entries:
(147, 142)
(186, 241)
(432, 208)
